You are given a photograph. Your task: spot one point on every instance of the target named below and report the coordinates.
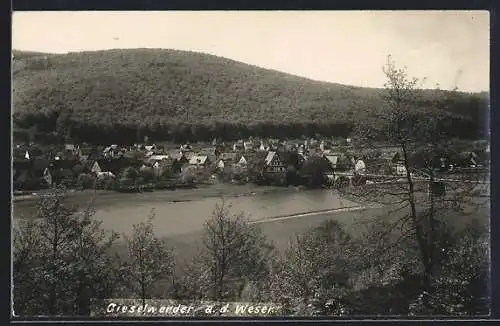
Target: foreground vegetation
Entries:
(64, 261)
(120, 96)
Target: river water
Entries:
(181, 223)
(174, 219)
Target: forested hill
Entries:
(123, 95)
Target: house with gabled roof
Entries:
(208, 150)
(179, 156)
(47, 176)
(159, 167)
(154, 158)
(225, 160)
(199, 160)
(228, 156)
(70, 147)
(332, 160)
(115, 166)
(468, 159)
(248, 145)
(273, 163)
(263, 147)
(360, 167)
(242, 161)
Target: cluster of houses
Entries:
(271, 156)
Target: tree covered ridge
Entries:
(122, 94)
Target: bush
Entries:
(86, 181)
(106, 183)
(461, 283)
(146, 173)
(315, 272)
(31, 184)
(342, 182)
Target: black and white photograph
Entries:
(176, 164)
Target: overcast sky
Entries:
(447, 48)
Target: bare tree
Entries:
(416, 205)
(149, 259)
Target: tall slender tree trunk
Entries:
(83, 298)
(431, 226)
(419, 231)
(143, 278)
(53, 286)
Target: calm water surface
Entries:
(185, 217)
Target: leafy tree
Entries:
(314, 171)
(61, 260)
(129, 177)
(149, 259)
(314, 274)
(146, 173)
(86, 181)
(130, 173)
(234, 254)
(188, 175)
(461, 282)
(77, 169)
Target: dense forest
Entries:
(124, 95)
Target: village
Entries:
(144, 167)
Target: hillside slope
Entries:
(125, 94)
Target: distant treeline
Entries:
(50, 129)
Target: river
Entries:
(280, 214)
(177, 218)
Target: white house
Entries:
(242, 161)
(96, 168)
(248, 145)
(360, 166)
(400, 169)
(47, 176)
(333, 160)
(273, 163)
(158, 157)
(263, 147)
(198, 160)
(105, 174)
